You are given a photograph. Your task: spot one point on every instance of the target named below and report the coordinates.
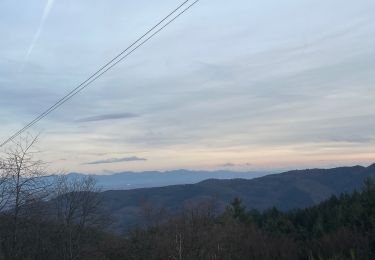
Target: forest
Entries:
(338, 228)
(63, 219)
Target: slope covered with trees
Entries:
(289, 190)
(341, 227)
(65, 219)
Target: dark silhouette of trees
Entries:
(338, 228)
(75, 206)
(34, 207)
(22, 186)
(63, 220)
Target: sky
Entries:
(237, 85)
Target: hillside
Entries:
(149, 179)
(339, 228)
(293, 189)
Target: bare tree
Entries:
(77, 206)
(21, 183)
(28, 196)
(4, 195)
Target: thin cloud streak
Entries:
(117, 160)
(228, 165)
(107, 117)
(46, 12)
(231, 165)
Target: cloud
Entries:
(117, 160)
(47, 10)
(235, 165)
(107, 117)
(278, 95)
(228, 165)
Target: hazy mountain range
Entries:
(288, 190)
(135, 180)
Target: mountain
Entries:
(147, 179)
(288, 190)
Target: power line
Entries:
(108, 66)
(98, 72)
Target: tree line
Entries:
(61, 218)
(43, 217)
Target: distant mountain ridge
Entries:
(148, 179)
(288, 190)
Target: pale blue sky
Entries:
(243, 84)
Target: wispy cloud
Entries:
(107, 117)
(229, 165)
(47, 10)
(117, 160)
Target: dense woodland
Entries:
(62, 219)
(285, 191)
(339, 228)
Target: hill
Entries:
(288, 190)
(341, 227)
(149, 179)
